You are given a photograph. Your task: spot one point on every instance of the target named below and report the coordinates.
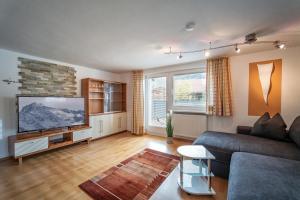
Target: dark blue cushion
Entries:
(258, 177)
(294, 131)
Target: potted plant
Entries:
(169, 128)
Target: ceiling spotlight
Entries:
(237, 50)
(206, 53)
(279, 45)
(179, 56)
(190, 26)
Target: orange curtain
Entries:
(138, 103)
(219, 89)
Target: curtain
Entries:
(219, 97)
(138, 103)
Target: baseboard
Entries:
(175, 136)
(5, 158)
(99, 138)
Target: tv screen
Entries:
(42, 113)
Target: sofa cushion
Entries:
(269, 147)
(257, 177)
(294, 131)
(259, 126)
(273, 128)
(221, 145)
(229, 143)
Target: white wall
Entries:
(290, 107)
(8, 69)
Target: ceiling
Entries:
(134, 34)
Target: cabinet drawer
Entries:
(30, 146)
(81, 135)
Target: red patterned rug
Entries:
(136, 178)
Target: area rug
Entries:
(136, 178)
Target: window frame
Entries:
(148, 95)
(185, 108)
(169, 96)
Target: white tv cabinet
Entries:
(106, 124)
(29, 144)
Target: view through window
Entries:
(157, 101)
(189, 90)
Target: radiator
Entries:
(189, 125)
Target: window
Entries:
(157, 102)
(178, 90)
(189, 90)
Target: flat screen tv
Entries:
(44, 113)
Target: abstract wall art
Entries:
(265, 87)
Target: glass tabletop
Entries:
(195, 152)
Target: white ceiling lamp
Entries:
(190, 26)
(237, 49)
(249, 39)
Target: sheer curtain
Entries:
(138, 103)
(219, 97)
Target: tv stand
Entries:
(23, 145)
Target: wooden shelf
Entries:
(94, 92)
(59, 144)
(34, 135)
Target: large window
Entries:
(189, 90)
(157, 102)
(183, 91)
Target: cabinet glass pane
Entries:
(112, 97)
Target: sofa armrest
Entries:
(245, 130)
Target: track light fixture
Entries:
(249, 39)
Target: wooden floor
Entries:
(57, 174)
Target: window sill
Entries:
(188, 112)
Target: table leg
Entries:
(181, 171)
(209, 172)
(20, 160)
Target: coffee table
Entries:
(195, 170)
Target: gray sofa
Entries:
(255, 177)
(256, 164)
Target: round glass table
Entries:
(195, 170)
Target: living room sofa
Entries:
(257, 168)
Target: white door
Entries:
(97, 126)
(156, 104)
(107, 124)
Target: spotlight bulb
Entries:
(179, 56)
(279, 45)
(206, 53)
(237, 50)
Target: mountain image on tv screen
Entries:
(42, 113)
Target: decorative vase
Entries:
(170, 140)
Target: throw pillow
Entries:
(259, 126)
(276, 128)
(294, 131)
(273, 128)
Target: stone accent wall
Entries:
(46, 79)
